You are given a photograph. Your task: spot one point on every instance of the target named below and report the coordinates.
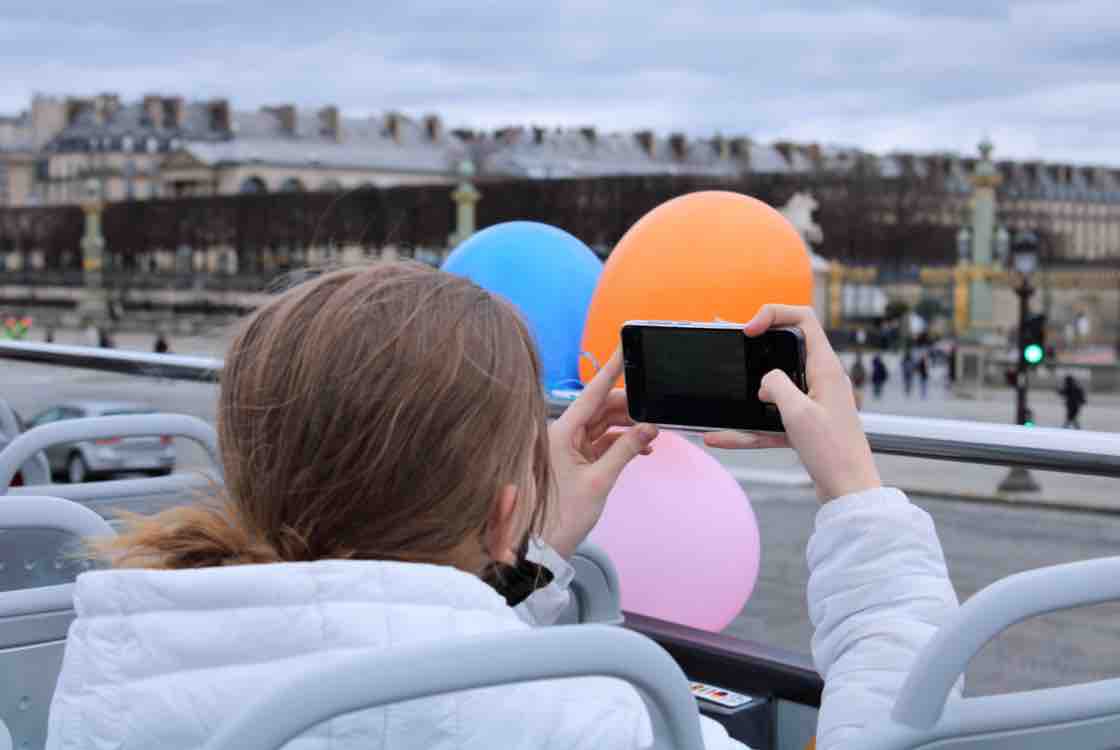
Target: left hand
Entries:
(588, 456)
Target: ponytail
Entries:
(207, 534)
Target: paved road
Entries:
(983, 543)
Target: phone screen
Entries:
(706, 376)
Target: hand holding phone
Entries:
(822, 425)
(706, 376)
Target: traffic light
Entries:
(1032, 342)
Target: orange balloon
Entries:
(701, 257)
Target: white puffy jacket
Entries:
(878, 591)
(163, 658)
(160, 659)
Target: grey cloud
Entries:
(906, 74)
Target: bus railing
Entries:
(1074, 452)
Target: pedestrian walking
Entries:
(1074, 396)
(878, 376)
(907, 373)
(922, 368)
(161, 346)
(858, 376)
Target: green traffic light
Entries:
(1033, 354)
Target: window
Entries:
(253, 184)
(50, 415)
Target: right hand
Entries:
(823, 426)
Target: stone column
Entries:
(93, 302)
(466, 196)
(985, 180)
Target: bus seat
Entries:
(145, 495)
(342, 684)
(1079, 717)
(39, 438)
(595, 589)
(34, 621)
(35, 470)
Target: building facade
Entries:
(166, 147)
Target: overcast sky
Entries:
(1042, 78)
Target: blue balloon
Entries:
(548, 274)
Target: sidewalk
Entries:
(923, 477)
(211, 345)
(943, 479)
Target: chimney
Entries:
(153, 112)
(285, 115)
(218, 111)
(720, 146)
(507, 135)
(813, 151)
(393, 126)
(105, 106)
(645, 140)
(678, 145)
(173, 112)
(589, 135)
(433, 128)
(329, 125)
(75, 108)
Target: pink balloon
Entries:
(683, 536)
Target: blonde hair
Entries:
(368, 414)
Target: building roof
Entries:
(582, 152)
(296, 137)
(358, 154)
(16, 133)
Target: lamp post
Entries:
(465, 196)
(1024, 263)
(93, 301)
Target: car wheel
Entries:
(76, 470)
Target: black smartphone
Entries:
(706, 376)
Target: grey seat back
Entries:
(596, 596)
(343, 684)
(35, 469)
(147, 494)
(34, 621)
(1078, 717)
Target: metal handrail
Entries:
(1074, 452)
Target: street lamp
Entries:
(1030, 350)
